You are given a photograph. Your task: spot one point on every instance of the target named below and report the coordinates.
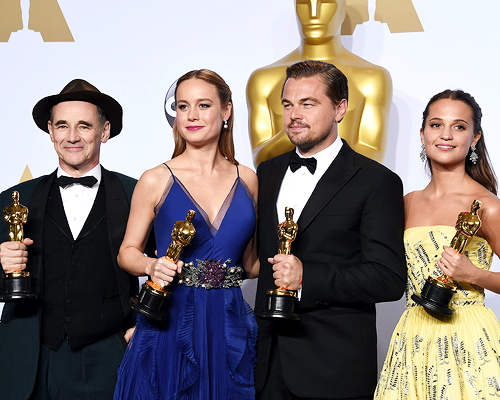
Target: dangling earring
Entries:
(473, 155)
(225, 124)
(423, 154)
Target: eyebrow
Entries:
(198, 100)
(302, 101)
(81, 122)
(455, 120)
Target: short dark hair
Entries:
(336, 86)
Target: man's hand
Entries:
(14, 255)
(287, 271)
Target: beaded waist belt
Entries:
(211, 274)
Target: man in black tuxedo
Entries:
(70, 342)
(347, 256)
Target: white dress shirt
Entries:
(298, 186)
(78, 200)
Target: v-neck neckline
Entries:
(214, 225)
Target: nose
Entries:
(193, 114)
(73, 135)
(295, 114)
(314, 8)
(447, 134)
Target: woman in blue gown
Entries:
(206, 348)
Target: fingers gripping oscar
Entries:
(151, 301)
(282, 302)
(437, 292)
(16, 285)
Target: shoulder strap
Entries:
(165, 164)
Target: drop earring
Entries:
(225, 124)
(473, 155)
(423, 154)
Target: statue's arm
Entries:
(374, 124)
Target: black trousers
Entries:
(86, 373)
(275, 387)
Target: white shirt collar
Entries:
(325, 157)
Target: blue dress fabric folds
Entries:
(206, 347)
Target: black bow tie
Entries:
(88, 181)
(296, 162)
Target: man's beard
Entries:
(311, 140)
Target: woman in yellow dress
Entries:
(433, 356)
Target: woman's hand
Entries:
(457, 266)
(163, 272)
(129, 333)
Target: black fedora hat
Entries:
(80, 90)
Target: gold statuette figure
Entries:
(15, 216)
(365, 124)
(437, 292)
(282, 302)
(151, 300)
(16, 285)
(287, 232)
(182, 234)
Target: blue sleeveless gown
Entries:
(206, 348)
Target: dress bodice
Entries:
(424, 246)
(224, 238)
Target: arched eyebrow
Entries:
(197, 100)
(454, 121)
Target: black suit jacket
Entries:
(350, 241)
(20, 323)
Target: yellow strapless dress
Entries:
(432, 356)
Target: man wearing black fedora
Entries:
(69, 343)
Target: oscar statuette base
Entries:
(151, 302)
(281, 304)
(435, 296)
(17, 286)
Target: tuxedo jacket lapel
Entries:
(117, 211)
(96, 215)
(37, 206)
(270, 189)
(55, 210)
(341, 170)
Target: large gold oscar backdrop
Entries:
(320, 24)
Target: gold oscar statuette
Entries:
(16, 285)
(282, 302)
(151, 301)
(437, 292)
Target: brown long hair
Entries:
(226, 144)
(482, 172)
